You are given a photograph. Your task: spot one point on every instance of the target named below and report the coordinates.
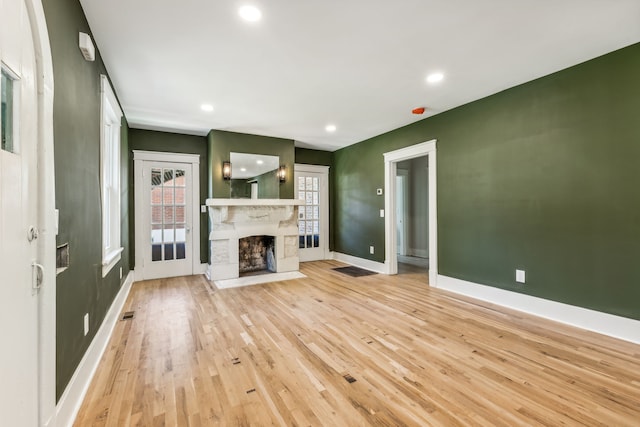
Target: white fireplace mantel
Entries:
(233, 219)
(254, 202)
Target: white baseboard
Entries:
(420, 253)
(591, 320)
(378, 267)
(71, 400)
(204, 269)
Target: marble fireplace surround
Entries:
(233, 219)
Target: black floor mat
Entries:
(354, 271)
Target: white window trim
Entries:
(110, 114)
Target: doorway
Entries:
(391, 161)
(412, 214)
(167, 232)
(312, 186)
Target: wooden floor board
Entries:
(281, 353)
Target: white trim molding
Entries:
(71, 400)
(378, 267)
(390, 167)
(603, 323)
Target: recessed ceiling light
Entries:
(259, 162)
(207, 107)
(435, 77)
(250, 13)
(330, 128)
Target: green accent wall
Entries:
(222, 143)
(148, 140)
(76, 113)
(541, 177)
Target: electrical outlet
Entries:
(86, 324)
(520, 276)
(379, 191)
(372, 250)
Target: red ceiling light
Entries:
(419, 110)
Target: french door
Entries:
(165, 235)
(312, 186)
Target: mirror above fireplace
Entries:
(254, 176)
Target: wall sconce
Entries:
(226, 170)
(282, 173)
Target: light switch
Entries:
(381, 213)
(203, 209)
(520, 276)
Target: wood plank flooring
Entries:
(286, 353)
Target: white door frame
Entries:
(139, 157)
(324, 200)
(390, 167)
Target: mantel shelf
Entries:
(254, 202)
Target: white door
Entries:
(312, 186)
(167, 239)
(18, 214)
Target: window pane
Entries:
(156, 214)
(168, 251)
(309, 212)
(180, 214)
(309, 198)
(156, 252)
(316, 241)
(168, 195)
(180, 196)
(181, 233)
(168, 214)
(156, 233)
(168, 234)
(180, 251)
(301, 242)
(309, 183)
(301, 184)
(7, 112)
(315, 184)
(301, 195)
(315, 199)
(168, 178)
(309, 242)
(316, 227)
(301, 227)
(180, 178)
(316, 212)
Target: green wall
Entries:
(222, 143)
(80, 289)
(148, 140)
(541, 177)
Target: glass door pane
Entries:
(168, 214)
(309, 213)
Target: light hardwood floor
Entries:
(278, 354)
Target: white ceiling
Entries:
(358, 64)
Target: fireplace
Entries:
(256, 254)
(233, 221)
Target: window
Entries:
(110, 179)
(9, 89)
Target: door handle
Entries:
(38, 276)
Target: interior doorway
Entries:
(392, 160)
(412, 214)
